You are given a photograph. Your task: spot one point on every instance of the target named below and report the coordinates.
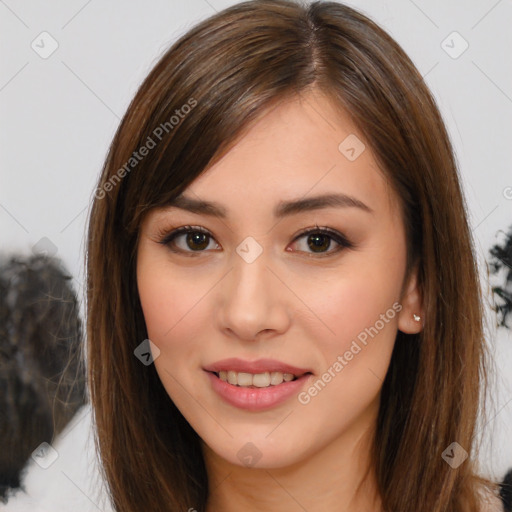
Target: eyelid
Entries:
(338, 237)
(166, 236)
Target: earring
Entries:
(416, 317)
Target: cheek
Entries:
(359, 322)
(156, 299)
(361, 313)
(347, 306)
(167, 301)
(170, 311)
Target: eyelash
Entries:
(166, 238)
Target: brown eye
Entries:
(187, 239)
(190, 240)
(196, 240)
(319, 241)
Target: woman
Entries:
(338, 374)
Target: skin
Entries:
(292, 304)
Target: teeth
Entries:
(244, 379)
(276, 378)
(259, 380)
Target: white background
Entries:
(59, 114)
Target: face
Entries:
(310, 293)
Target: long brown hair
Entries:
(195, 104)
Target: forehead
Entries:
(301, 144)
(302, 147)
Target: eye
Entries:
(319, 240)
(193, 238)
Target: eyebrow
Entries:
(282, 209)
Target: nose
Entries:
(253, 300)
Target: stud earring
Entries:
(416, 317)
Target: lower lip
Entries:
(257, 399)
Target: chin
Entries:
(259, 451)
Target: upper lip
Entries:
(258, 366)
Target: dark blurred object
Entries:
(506, 491)
(42, 377)
(502, 260)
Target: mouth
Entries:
(257, 392)
(256, 385)
(257, 380)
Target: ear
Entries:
(412, 306)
